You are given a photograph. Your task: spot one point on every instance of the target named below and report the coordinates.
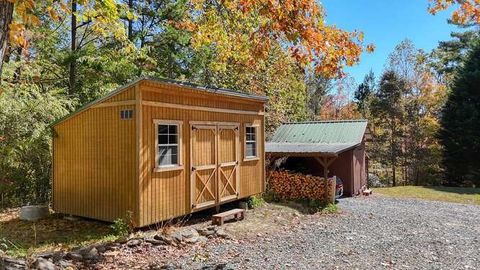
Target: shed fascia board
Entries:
(220, 91)
(306, 148)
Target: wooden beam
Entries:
(116, 103)
(199, 108)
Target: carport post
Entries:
(325, 162)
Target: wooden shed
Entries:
(325, 148)
(158, 149)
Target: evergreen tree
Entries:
(363, 94)
(460, 124)
(389, 115)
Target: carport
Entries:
(324, 148)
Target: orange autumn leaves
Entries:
(249, 29)
(468, 11)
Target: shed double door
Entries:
(214, 163)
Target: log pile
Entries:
(296, 186)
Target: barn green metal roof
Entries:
(330, 137)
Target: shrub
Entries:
(123, 226)
(120, 227)
(25, 142)
(255, 201)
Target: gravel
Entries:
(370, 233)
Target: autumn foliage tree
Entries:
(467, 11)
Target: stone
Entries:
(243, 205)
(192, 240)
(202, 239)
(74, 256)
(221, 233)
(154, 241)
(66, 265)
(177, 237)
(134, 242)
(46, 255)
(12, 264)
(101, 248)
(92, 254)
(167, 240)
(167, 267)
(43, 264)
(189, 233)
(205, 232)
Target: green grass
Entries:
(445, 194)
(21, 238)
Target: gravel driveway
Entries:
(373, 232)
(370, 233)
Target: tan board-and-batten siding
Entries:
(104, 166)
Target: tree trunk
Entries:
(130, 21)
(73, 63)
(18, 70)
(394, 181)
(6, 14)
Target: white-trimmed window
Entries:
(168, 144)
(251, 135)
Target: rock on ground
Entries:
(370, 233)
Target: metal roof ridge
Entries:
(212, 89)
(326, 121)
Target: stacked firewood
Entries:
(296, 186)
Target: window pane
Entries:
(173, 150)
(172, 129)
(250, 149)
(172, 139)
(162, 129)
(168, 155)
(165, 160)
(163, 139)
(174, 159)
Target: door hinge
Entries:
(194, 169)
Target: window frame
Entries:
(171, 167)
(256, 128)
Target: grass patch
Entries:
(445, 194)
(22, 238)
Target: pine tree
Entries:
(364, 93)
(389, 115)
(460, 122)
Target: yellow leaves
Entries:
(17, 34)
(298, 25)
(370, 48)
(468, 11)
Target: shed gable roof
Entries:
(327, 137)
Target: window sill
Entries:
(251, 159)
(168, 169)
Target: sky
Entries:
(386, 23)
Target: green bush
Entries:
(25, 142)
(120, 227)
(255, 201)
(123, 226)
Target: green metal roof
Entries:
(321, 132)
(321, 137)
